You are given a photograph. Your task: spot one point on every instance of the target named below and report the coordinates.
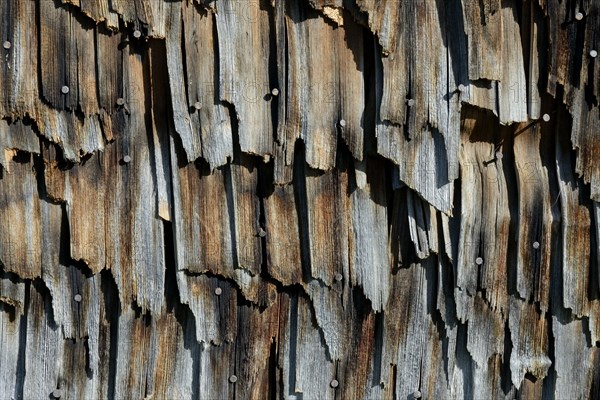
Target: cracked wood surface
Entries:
(300, 199)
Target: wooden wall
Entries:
(300, 199)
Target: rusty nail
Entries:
(126, 159)
(417, 394)
(546, 117)
(218, 291)
(411, 102)
(499, 155)
(479, 260)
(261, 232)
(335, 383)
(342, 123)
(275, 92)
(197, 105)
(536, 245)
(120, 101)
(57, 393)
(338, 277)
(64, 89)
(233, 379)
(6, 45)
(78, 297)
(579, 16)
(593, 53)
(137, 34)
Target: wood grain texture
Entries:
(301, 199)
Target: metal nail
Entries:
(6, 45)
(64, 89)
(411, 102)
(593, 53)
(218, 291)
(536, 245)
(57, 393)
(261, 232)
(137, 34)
(266, 158)
(499, 155)
(579, 16)
(342, 123)
(546, 117)
(338, 277)
(78, 298)
(417, 394)
(275, 92)
(334, 383)
(233, 379)
(126, 159)
(461, 88)
(479, 261)
(197, 105)
(120, 101)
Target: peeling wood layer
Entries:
(299, 199)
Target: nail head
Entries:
(197, 105)
(78, 298)
(579, 16)
(411, 102)
(127, 159)
(137, 34)
(218, 291)
(417, 394)
(120, 101)
(335, 383)
(275, 92)
(461, 87)
(342, 123)
(233, 379)
(261, 232)
(266, 158)
(6, 45)
(546, 117)
(57, 393)
(64, 89)
(338, 277)
(593, 53)
(536, 245)
(479, 260)
(499, 155)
